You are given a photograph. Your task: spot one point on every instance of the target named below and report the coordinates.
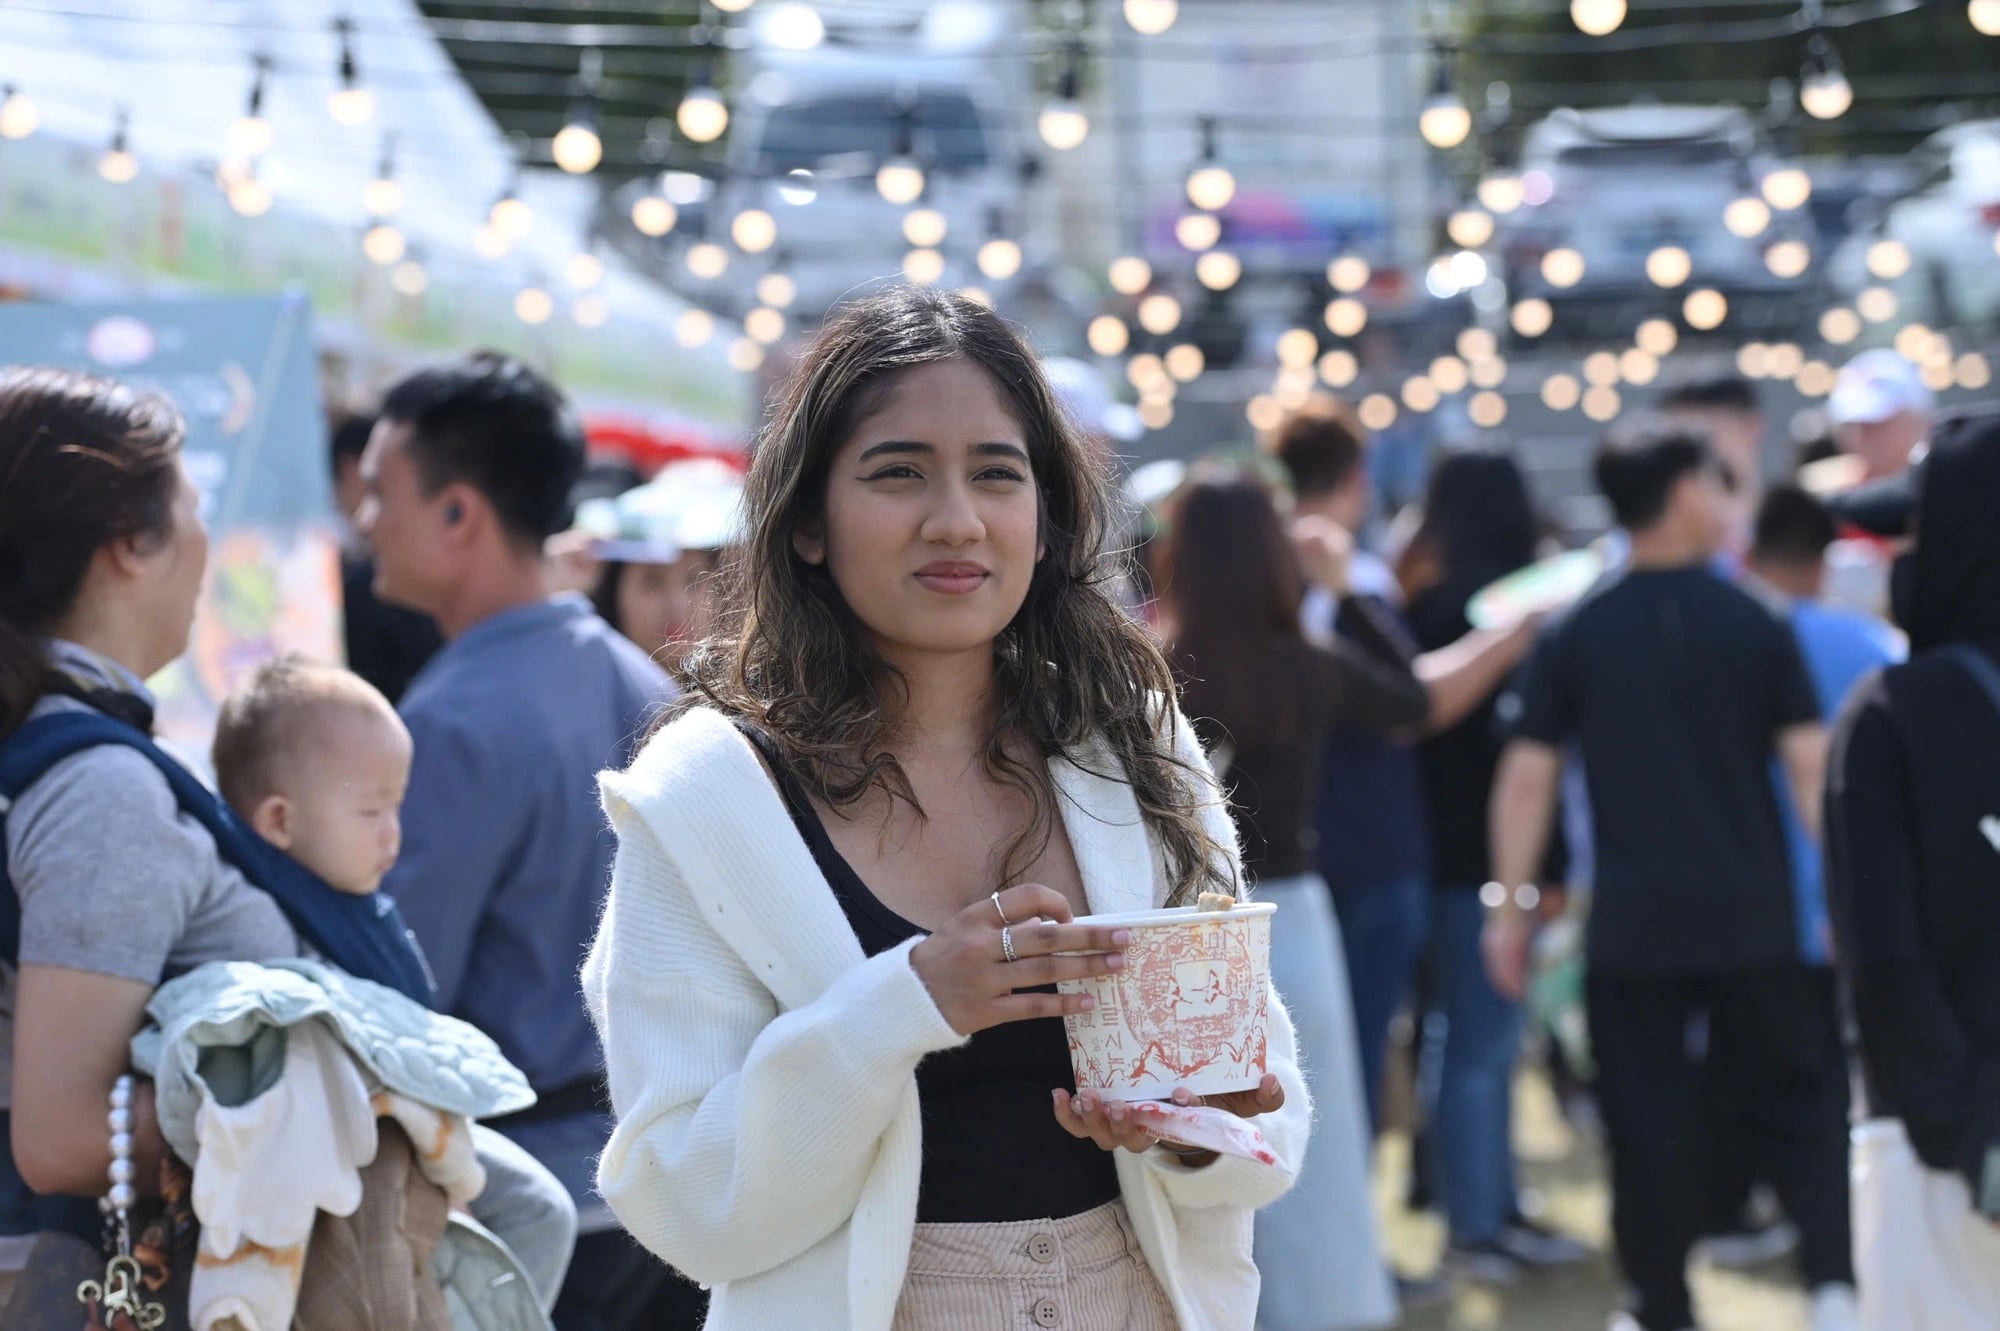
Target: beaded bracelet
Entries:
(118, 1200)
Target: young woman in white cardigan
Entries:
(848, 871)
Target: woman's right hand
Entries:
(965, 966)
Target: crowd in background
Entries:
(1421, 791)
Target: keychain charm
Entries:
(119, 1302)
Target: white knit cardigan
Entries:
(763, 1070)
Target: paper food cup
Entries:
(1189, 1009)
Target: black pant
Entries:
(1775, 1034)
(615, 1285)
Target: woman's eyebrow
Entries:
(889, 447)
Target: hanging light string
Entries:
(668, 39)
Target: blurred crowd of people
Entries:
(1752, 762)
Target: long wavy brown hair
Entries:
(1075, 676)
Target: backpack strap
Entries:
(1979, 665)
(363, 935)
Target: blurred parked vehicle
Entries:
(1947, 272)
(1617, 185)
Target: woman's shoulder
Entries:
(699, 746)
(105, 781)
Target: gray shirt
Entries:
(506, 852)
(114, 879)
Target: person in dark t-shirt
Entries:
(1679, 688)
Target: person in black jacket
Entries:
(1913, 817)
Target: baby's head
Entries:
(316, 760)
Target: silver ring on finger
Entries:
(1000, 910)
(1007, 945)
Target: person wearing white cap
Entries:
(1880, 411)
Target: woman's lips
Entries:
(952, 578)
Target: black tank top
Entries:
(993, 1151)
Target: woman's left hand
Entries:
(1268, 1098)
(1112, 1124)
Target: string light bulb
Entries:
(1787, 188)
(1657, 337)
(764, 325)
(777, 290)
(1888, 259)
(1638, 366)
(1377, 411)
(1562, 267)
(1985, 17)
(1824, 92)
(653, 215)
(1198, 231)
(1747, 217)
(384, 245)
(1129, 275)
(1159, 314)
(409, 278)
(118, 165)
(1000, 258)
(1561, 392)
(925, 267)
(707, 260)
(1476, 344)
(745, 356)
(349, 104)
(1470, 228)
(251, 197)
(1108, 335)
(1488, 410)
(694, 328)
(1788, 259)
(534, 306)
(1063, 123)
(382, 196)
(1185, 362)
(511, 216)
(1297, 348)
(1839, 326)
(702, 114)
(1218, 270)
(1263, 413)
(925, 228)
(250, 136)
(1491, 372)
(18, 115)
(1878, 305)
(1339, 368)
(1420, 395)
(590, 310)
(576, 147)
(753, 230)
(900, 178)
(1444, 121)
(1669, 266)
(1597, 18)
(1602, 403)
(1705, 309)
(1150, 18)
(584, 270)
(1502, 193)
(1346, 317)
(1210, 186)
(1533, 317)
(1348, 274)
(1450, 374)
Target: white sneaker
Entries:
(1834, 1309)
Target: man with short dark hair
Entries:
(506, 854)
(386, 644)
(1726, 408)
(1679, 688)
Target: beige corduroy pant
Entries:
(1084, 1273)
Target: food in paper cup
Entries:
(1189, 1008)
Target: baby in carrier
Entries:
(316, 761)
